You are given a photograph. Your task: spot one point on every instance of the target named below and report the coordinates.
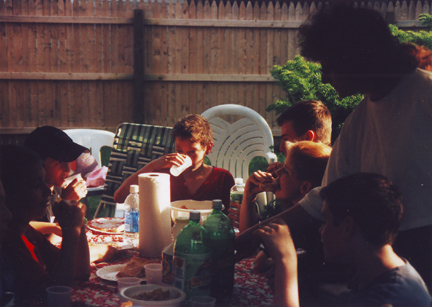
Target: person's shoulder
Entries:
(222, 172)
(401, 286)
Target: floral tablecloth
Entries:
(250, 288)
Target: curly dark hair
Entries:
(195, 128)
(354, 40)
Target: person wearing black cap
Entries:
(58, 150)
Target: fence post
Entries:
(138, 99)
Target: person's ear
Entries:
(348, 227)
(310, 135)
(305, 187)
(209, 148)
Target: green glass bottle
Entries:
(192, 259)
(222, 237)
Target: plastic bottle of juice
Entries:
(222, 236)
(192, 258)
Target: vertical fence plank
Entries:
(272, 46)
(55, 67)
(185, 65)
(194, 108)
(171, 65)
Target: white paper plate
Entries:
(110, 272)
(106, 223)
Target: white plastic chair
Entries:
(93, 139)
(236, 144)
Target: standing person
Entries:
(361, 217)
(388, 133)
(192, 137)
(35, 262)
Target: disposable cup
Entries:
(124, 282)
(202, 301)
(177, 170)
(154, 273)
(59, 296)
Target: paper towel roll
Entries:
(154, 213)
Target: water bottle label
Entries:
(193, 273)
(236, 198)
(131, 221)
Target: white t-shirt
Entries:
(391, 137)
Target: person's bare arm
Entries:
(246, 243)
(74, 259)
(278, 241)
(163, 162)
(248, 214)
(47, 228)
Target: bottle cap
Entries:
(238, 181)
(134, 188)
(217, 204)
(194, 215)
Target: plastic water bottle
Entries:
(237, 192)
(222, 237)
(192, 258)
(131, 207)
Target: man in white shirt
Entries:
(390, 131)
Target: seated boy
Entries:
(361, 217)
(302, 171)
(35, 262)
(192, 137)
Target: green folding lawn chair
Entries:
(135, 145)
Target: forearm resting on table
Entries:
(247, 243)
(47, 228)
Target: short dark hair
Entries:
(354, 40)
(373, 202)
(195, 128)
(309, 115)
(15, 162)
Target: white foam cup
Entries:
(177, 170)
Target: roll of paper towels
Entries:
(154, 213)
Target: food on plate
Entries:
(271, 185)
(113, 225)
(134, 268)
(126, 304)
(183, 207)
(156, 295)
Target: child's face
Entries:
(290, 187)
(56, 172)
(192, 149)
(331, 236)
(32, 201)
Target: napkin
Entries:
(154, 213)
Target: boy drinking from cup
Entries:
(193, 138)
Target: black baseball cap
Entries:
(51, 142)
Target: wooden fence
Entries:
(71, 64)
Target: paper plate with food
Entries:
(107, 225)
(134, 268)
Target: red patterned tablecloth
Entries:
(250, 288)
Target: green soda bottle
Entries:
(222, 238)
(192, 259)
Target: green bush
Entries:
(421, 38)
(301, 80)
